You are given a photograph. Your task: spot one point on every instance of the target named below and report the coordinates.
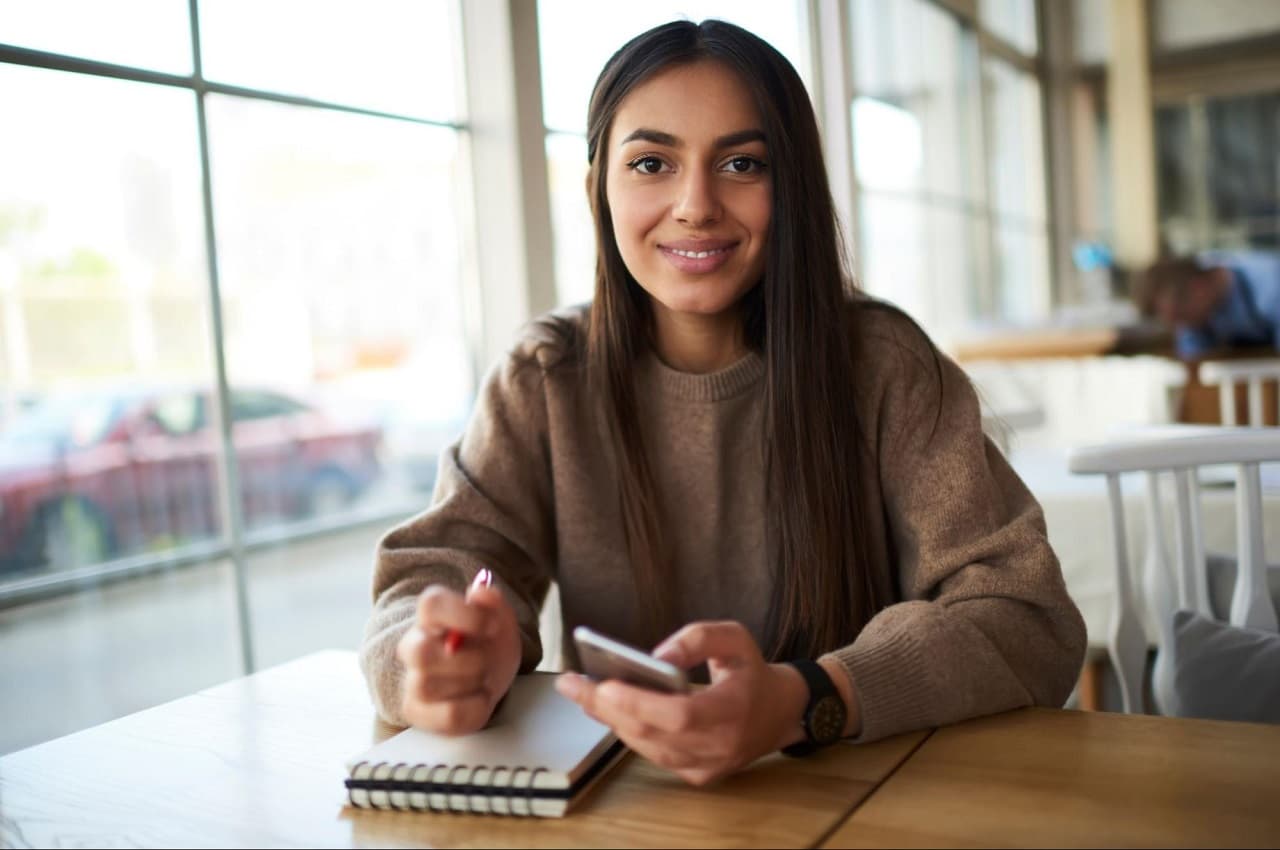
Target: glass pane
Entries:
(1012, 20)
(88, 656)
(1022, 272)
(571, 218)
(1182, 184)
(341, 279)
(1217, 181)
(576, 40)
(107, 32)
(936, 286)
(915, 123)
(389, 55)
(1244, 171)
(1016, 139)
(102, 277)
(105, 454)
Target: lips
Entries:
(698, 256)
(687, 247)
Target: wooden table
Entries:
(1053, 341)
(258, 762)
(1041, 777)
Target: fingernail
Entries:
(484, 578)
(569, 685)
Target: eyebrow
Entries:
(658, 137)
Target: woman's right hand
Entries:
(454, 693)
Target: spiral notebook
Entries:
(538, 757)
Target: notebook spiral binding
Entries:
(484, 789)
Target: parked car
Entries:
(92, 476)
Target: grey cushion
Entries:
(1222, 581)
(1223, 672)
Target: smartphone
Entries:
(605, 658)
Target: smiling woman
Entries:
(729, 452)
(691, 210)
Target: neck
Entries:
(698, 344)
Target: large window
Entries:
(949, 161)
(1218, 172)
(575, 42)
(331, 136)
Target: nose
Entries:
(696, 203)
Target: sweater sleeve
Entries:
(985, 623)
(492, 507)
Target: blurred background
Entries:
(256, 255)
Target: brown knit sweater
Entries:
(984, 623)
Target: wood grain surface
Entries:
(259, 762)
(1041, 777)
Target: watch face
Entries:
(826, 721)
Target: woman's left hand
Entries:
(751, 707)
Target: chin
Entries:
(698, 306)
(703, 298)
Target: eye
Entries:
(646, 165)
(744, 165)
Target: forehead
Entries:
(695, 102)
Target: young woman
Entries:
(731, 451)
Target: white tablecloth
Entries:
(1078, 518)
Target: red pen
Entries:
(453, 637)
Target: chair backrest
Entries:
(1227, 374)
(1163, 588)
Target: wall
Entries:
(1180, 24)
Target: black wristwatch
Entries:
(824, 715)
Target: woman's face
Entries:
(689, 188)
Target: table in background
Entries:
(1042, 777)
(259, 762)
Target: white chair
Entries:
(1164, 588)
(1227, 374)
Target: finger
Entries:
(672, 721)
(699, 776)
(724, 642)
(494, 604)
(661, 754)
(669, 713)
(410, 647)
(441, 609)
(433, 687)
(451, 717)
(658, 746)
(427, 652)
(581, 690)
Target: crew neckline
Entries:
(711, 386)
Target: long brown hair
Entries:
(796, 317)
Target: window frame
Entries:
(981, 45)
(236, 543)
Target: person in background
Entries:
(1216, 300)
(730, 453)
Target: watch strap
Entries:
(820, 686)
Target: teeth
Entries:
(697, 255)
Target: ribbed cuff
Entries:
(383, 672)
(891, 684)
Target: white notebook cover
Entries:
(535, 728)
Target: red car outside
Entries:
(102, 475)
